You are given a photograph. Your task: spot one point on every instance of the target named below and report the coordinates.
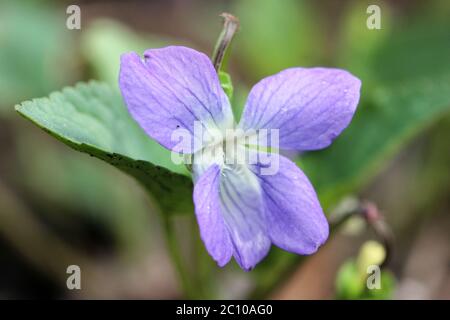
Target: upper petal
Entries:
(171, 89)
(295, 219)
(309, 106)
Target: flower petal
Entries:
(295, 219)
(243, 212)
(230, 213)
(309, 106)
(213, 231)
(171, 89)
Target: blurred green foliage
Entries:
(37, 52)
(362, 278)
(351, 285)
(61, 179)
(105, 40)
(276, 36)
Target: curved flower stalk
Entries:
(242, 206)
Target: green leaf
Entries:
(358, 44)
(92, 118)
(227, 85)
(416, 51)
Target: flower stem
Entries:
(230, 26)
(374, 219)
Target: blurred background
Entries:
(59, 207)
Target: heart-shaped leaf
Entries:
(92, 118)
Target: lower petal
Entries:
(213, 230)
(243, 211)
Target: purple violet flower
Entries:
(240, 210)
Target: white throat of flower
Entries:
(233, 148)
(228, 150)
